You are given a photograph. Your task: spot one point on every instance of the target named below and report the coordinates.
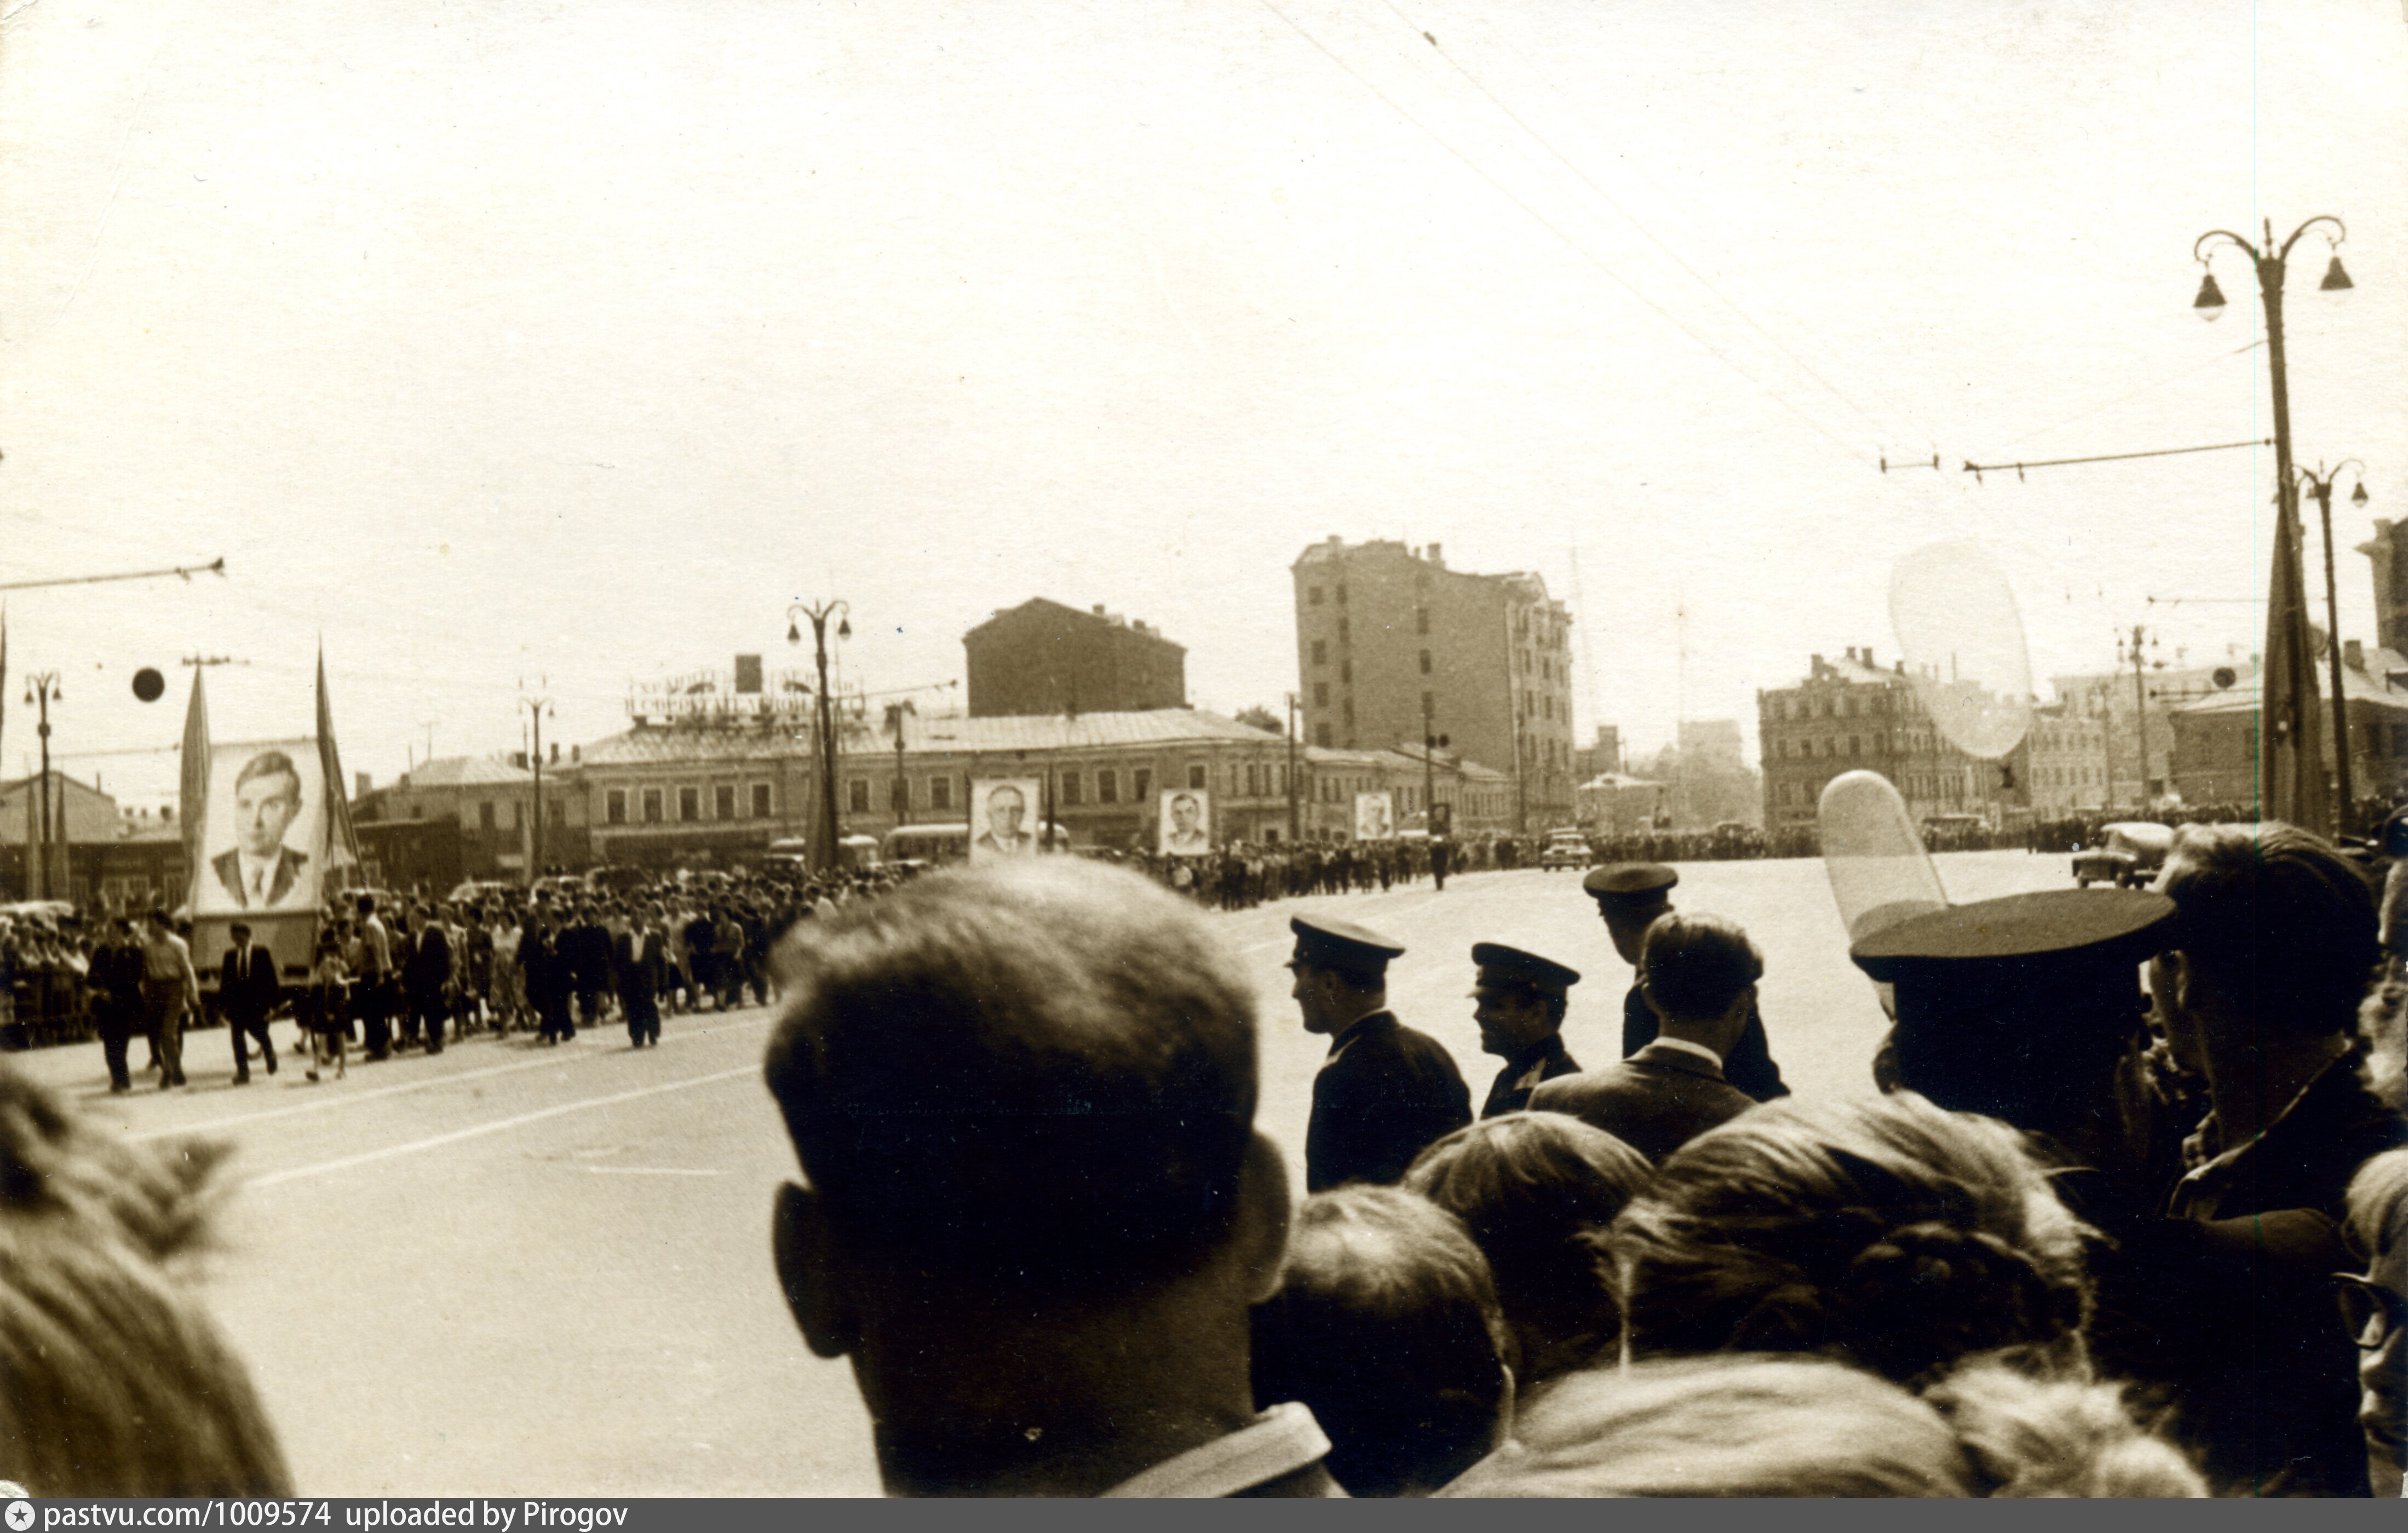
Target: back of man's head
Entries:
(1386, 1326)
(1695, 966)
(2277, 921)
(1038, 1077)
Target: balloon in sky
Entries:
(1962, 638)
(1880, 873)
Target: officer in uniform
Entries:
(1385, 1092)
(1630, 896)
(1520, 1010)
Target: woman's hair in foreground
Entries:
(1885, 1232)
(1532, 1187)
(1788, 1427)
(113, 1381)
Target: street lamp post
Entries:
(42, 690)
(1294, 822)
(2270, 264)
(819, 614)
(537, 707)
(2319, 483)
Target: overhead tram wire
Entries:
(1978, 469)
(1577, 249)
(1880, 427)
(1922, 427)
(2088, 411)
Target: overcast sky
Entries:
(501, 340)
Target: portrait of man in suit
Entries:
(1373, 822)
(1007, 814)
(1182, 825)
(260, 872)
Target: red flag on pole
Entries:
(192, 786)
(2291, 783)
(342, 843)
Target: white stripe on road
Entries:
(498, 1126)
(549, 1057)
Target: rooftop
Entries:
(1080, 732)
(465, 772)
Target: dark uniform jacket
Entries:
(1523, 1074)
(642, 962)
(1749, 1066)
(585, 952)
(428, 967)
(1386, 1092)
(247, 994)
(1656, 1101)
(2235, 1295)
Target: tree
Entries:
(1263, 719)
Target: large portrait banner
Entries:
(1375, 817)
(1003, 817)
(1185, 826)
(263, 832)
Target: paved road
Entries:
(513, 1270)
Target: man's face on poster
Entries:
(1184, 811)
(1005, 810)
(264, 808)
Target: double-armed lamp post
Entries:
(819, 614)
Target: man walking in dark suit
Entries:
(1520, 999)
(1698, 973)
(586, 949)
(425, 977)
(642, 961)
(1385, 1092)
(248, 990)
(1630, 896)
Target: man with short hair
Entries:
(1023, 1098)
(372, 996)
(1630, 896)
(1385, 1092)
(170, 991)
(1520, 999)
(1698, 974)
(260, 872)
(642, 962)
(248, 991)
(425, 977)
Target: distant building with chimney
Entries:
(1043, 657)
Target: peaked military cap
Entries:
(1502, 965)
(1327, 939)
(1630, 883)
(2058, 932)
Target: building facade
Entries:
(1393, 646)
(2063, 762)
(2136, 713)
(2216, 738)
(1849, 715)
(1043, 657)
(83, 820)
(1613, 804)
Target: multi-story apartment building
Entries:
(1849, 714)
(1043, 657)
(1392, 646)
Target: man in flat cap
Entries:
(1385, 1092)
(1520, 1001)
(1697, 973)
(1630, 896)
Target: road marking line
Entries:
(649, 1170)
(549, 1057)
(456, 1136)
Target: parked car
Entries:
(2129, 858)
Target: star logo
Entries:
(20, 1513)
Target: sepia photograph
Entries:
(1200, 748)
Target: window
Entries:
(940, 793)
(1321, 695)
(760, 801)
(1346, 672)
(1144, 784)
(652, 806)
(1321, 651)
(1425, 663)
(1429, 704)
(614, 808)
(689, 803)
(485, 813)
(1342, 631)
(723, 801)
(1349, 710)
(1195, 769)
(1421, 620)
(1108, 785)
(857, 796)
(1253, 780)
(1313, 595)
(1321, 735)
(1071, 782)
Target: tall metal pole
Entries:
(2141, 716)
(1294, 822)
(45, 687)
(819, 614)
(2321, 486)
(537, 707)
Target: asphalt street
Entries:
(513, 1270)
